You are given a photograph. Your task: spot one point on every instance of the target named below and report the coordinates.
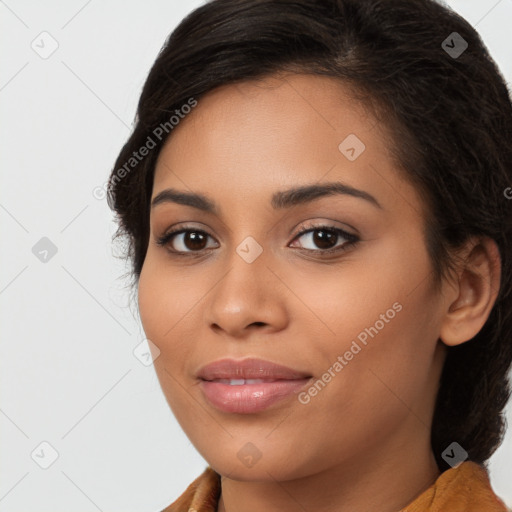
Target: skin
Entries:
(363, 442)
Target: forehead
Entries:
(273, 116)
(258, 136)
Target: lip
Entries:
(251, 368)
(276, 382)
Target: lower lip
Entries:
(249, 398)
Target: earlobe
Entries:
(475, 291)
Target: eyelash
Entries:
(351, 240)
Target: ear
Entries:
(473, 293)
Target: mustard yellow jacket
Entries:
(465, 488)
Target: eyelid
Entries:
(326, 223)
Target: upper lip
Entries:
(250, 368)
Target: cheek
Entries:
(360, 299)
(150, 302)
(163, 306)
(381, 318)
(165, 297)
(380, 383)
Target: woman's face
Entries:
(362, 321)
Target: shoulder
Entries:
(202, 495)
(464, 487)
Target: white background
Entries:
(68, 373)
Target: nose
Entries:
(248, 297)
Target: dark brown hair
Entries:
(450, 116)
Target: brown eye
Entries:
(325, 239)
(185, 240)
(194, 240)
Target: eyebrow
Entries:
(280, 200)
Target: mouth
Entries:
(248, 369)
(249, 386)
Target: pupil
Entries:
(324, 239)
(194, 240)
